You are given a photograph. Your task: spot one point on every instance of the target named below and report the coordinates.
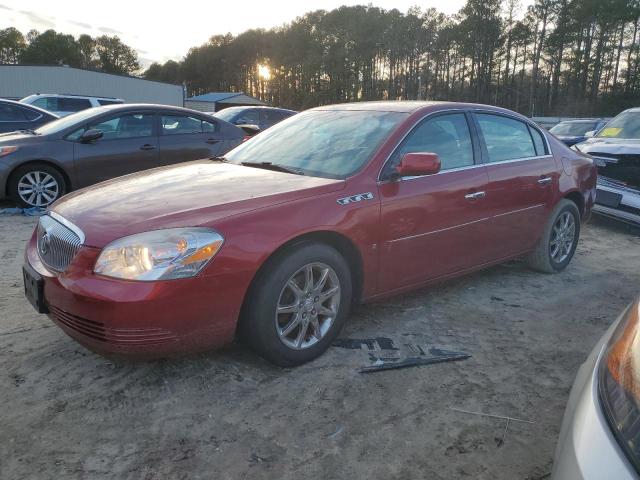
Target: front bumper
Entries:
(587, 449)
(628, 207)
(142, 319)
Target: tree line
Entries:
(104, 53)
(555, 57)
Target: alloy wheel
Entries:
(38, 189)
(307, 306)
(562, 237)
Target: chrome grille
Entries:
(57, 243)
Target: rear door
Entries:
(437, 224)
(185, 137)
(129, 144)
(523, 177)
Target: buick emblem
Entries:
(45, 242)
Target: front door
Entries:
(184, 138)
(522, 179)
(437, 224)
(129, 143)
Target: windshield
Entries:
(573, 128)
(227, 114)
(68, 121)
(625, 125)
(330, 143)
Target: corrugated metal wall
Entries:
(18, 81)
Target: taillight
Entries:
(619, 383)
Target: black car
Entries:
(87, 147)
(16, 116)
(571, 132)
(262, 117)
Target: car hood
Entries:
(17, 138)
(191, 194)
(614, 146)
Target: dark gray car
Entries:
(16, 116)
(37, 167)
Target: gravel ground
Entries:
(68, 413)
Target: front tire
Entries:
(36, 185)
(298, 304)
(559, 240)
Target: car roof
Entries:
(411, 106)
(148, 106)
(30, 107)
(71, 95)
(261, 107)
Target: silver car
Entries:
(600, 436)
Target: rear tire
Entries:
(292, 316)
(559, 240)
(36, 185)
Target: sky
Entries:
(160, 33)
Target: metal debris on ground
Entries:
(391, 360)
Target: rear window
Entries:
(505, 138)
(182, 124)
(63, 104)
(11, 113)
(73, 104)
(30, 114)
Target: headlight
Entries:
(7, 150)
(619, 383)
(160, 254)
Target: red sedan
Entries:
(339, 204)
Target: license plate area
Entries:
(608, 199)
(34, 289)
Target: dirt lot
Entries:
(67, 413)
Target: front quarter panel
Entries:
(251, 238)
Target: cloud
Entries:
(81, 24)
(110, 30)
(38, 19)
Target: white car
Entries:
(64, 104)
(616, 150)
(599, 435)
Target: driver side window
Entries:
(446, 135)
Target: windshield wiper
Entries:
(28, 130)
(219, 159)
(273, 166)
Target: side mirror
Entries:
(590, 133)
(91, 136)
(250, 130)
(418, 164)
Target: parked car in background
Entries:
(599, 435)
(576, 131)
(16, 116)
(62, 104)
(38, 166)
(275, 241)
(262, 117)
(616, 150)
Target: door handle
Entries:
(211, 141)
(147, 146)
(475, 195)
(544, 181)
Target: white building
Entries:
(18, 81)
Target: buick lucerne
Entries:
(274, 242)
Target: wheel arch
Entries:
(576, 197)
(340, 242)
(60, 170)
